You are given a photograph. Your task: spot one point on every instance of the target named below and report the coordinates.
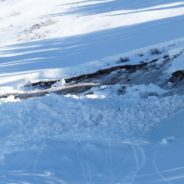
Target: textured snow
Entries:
(70, 126)
(178, 64)
(101, 137)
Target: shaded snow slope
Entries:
(126, 132)
(90, 140)
(64, 35)
(25, 20)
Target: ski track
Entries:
(140, 159)
(163, 178)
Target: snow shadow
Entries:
(99, 7)
(147, 10)
(76, 50)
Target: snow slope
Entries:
(101, 136)
(67, 34)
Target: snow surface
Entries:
(102, 137)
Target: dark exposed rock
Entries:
(155, 51)
(149, 71)
(122, 90)
(177, 76)
(103, 72)
(154, 60)
(42, 84)
(63, 90)
(123, 60)
(99, 76)
(166, 56)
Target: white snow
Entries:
(65, 35)
(178, 63)
(14, 14)
(100, 137)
